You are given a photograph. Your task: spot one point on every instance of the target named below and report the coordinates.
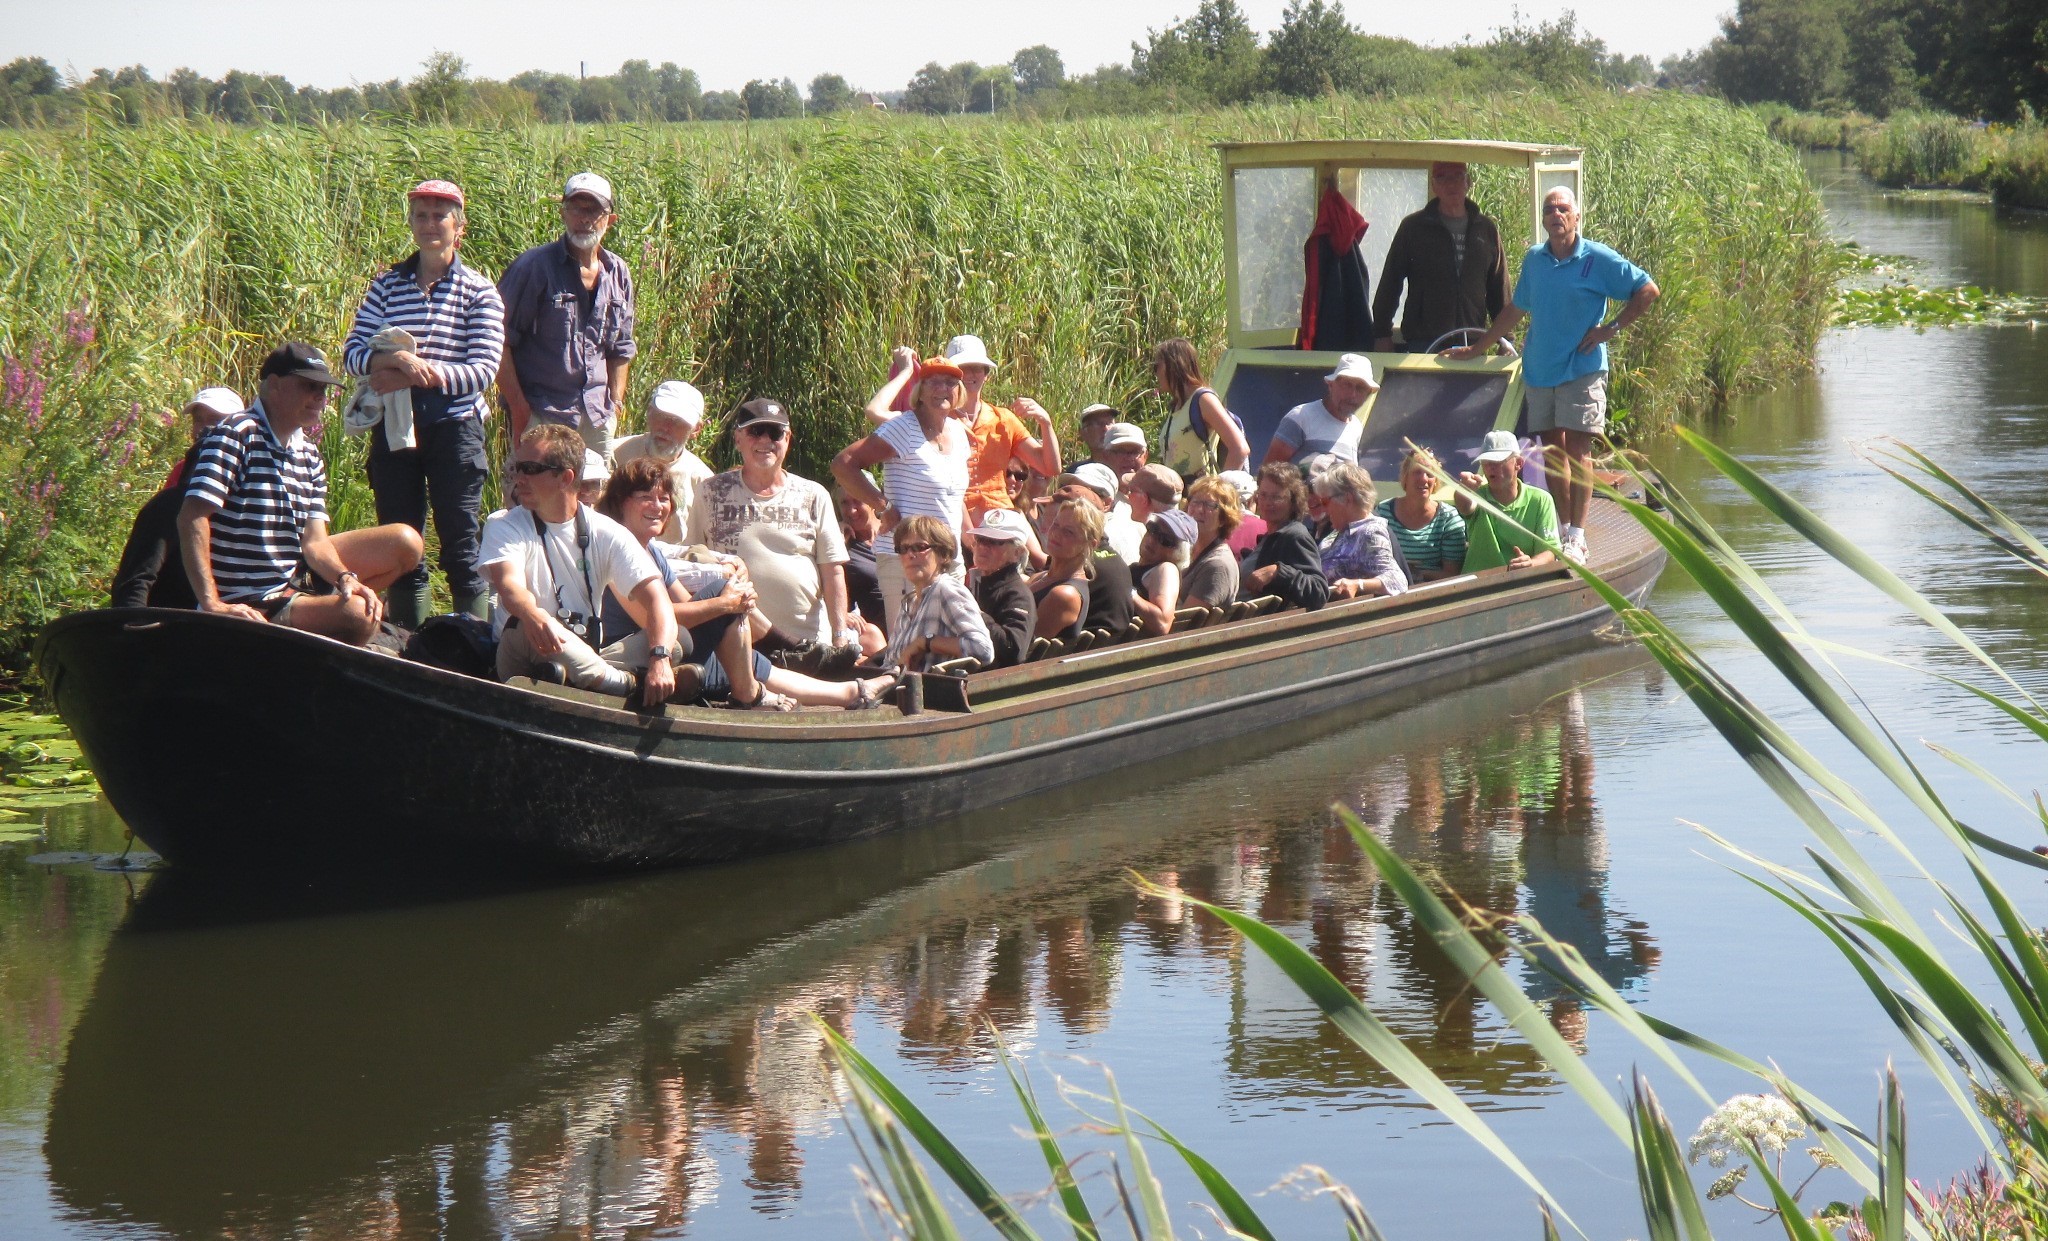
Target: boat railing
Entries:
(1240, 629)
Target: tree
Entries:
(940, 91)
(441, 91)
(1878, 72)
(680, 94)
(1555, 52)
(1214, 55)
(1785, 50)
(640, 91)
(722, 105)
(992, 89)
(830, 93)
(1038, 69)
(765, 101)
(554, 94)
(1315, 50)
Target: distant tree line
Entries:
(1212, 57)
(1976, 58)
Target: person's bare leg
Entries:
(380, 555)
(736, 655)
(1556, 472)
(342, 617)
(810, 691)
(1578, 447)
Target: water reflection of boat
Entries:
(566, 1059)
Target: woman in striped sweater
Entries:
(456, 321)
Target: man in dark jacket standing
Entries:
(1449, 255)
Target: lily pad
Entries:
(13, 800)
(59, 859)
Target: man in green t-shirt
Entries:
(1491, 542)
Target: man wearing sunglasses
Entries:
(782, 527)
(550, 560)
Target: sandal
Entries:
(867, 694)
(769, 700)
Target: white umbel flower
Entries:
(1765, 1120)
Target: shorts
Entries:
(304, 581)
(1574, 405)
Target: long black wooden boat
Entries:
(232, 746)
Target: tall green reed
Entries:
(785, 258)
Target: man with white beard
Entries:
(569, 323)
(674, 412)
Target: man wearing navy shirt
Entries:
(1564, 288)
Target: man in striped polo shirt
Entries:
(455, 323)
(253, 528)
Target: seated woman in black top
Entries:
(1007, 607)
(1063, 587)
(1285, 563)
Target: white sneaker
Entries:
(1574, 546)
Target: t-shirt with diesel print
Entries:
(783, 538)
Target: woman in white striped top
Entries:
(457, 322)
(923, 455)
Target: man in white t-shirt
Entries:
(1330, 425)
(550, 559)
(674, 412)
(785, 529)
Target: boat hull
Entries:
(228, 747)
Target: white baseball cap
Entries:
(678, 400)
(221, 401)
(1002, 523)
(1355, 366)
(1246, 485)
(589, 183)
(1093, 475)
(594, 468)
(969, 351)
(1499, 446)
(1122, 434)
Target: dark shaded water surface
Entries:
(640, 1058)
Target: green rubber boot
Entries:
(477, 605)
(405, 604)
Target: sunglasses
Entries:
(766, 431)
(1015, 477)
(531, 468)
(912, 549)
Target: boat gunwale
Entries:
(1042, 687)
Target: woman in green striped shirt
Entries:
(1429, 533)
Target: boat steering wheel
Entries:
(1465, 334)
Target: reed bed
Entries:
(1929, 150)
(139, 264)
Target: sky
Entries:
(874, 44)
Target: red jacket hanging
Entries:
(1336, 297)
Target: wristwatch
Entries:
(342, 577)
(657, 652)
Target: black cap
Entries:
(301, 361)
(760, 409)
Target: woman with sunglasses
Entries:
(923, 455)
(708, 600)
(1024, 486)
(939, 619)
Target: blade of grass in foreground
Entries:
(1671, 1206)
(1364, 1028)
(936, 1144)
(1072, 1203)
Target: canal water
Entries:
(640, 1058)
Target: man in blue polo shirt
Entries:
(1564, 288)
